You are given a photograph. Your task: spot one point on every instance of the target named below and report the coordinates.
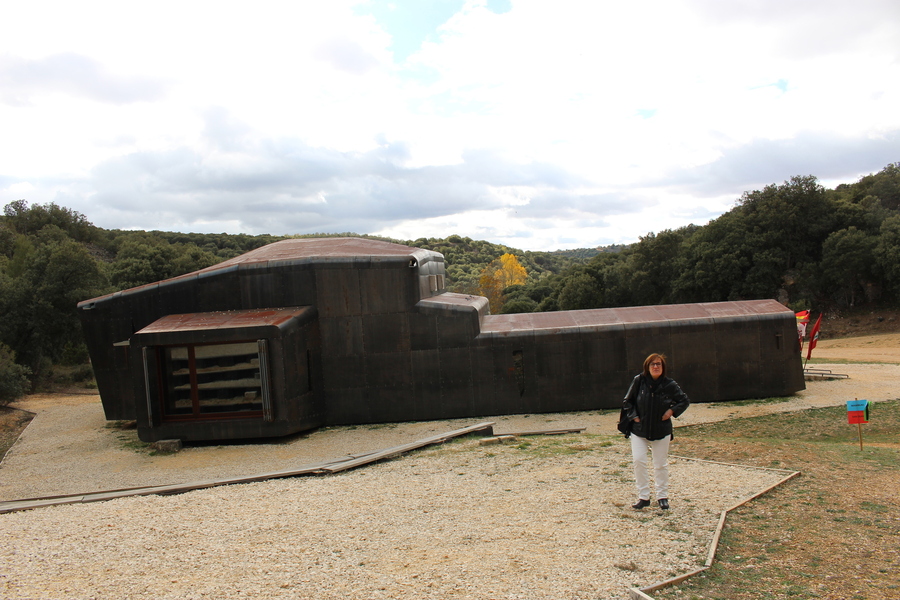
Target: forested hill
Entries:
(796, 242)
(808, 247)
(466, 259)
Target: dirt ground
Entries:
(883, 347)
(879, 345)
(857, 323)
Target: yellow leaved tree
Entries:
(499, 275)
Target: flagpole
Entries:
(813, 339)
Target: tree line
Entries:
(797, 242)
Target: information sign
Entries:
(857, 411)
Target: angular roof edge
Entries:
(632, 315)
(300, 251)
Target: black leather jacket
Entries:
(649, 400)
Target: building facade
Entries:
(310, 332)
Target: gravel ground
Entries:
(457, 521)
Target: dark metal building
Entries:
(310, 332)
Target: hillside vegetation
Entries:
(830, 250)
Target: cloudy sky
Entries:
(534, 123)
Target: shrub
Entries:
(13, 376)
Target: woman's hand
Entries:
(667, 415)
(637, 419)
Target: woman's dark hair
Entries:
(653, 358)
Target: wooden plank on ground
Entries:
(545, 432)
(485, 428)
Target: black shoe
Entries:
(641, 503)
(663, 503)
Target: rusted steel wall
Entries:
(352, 282)
(392, 345)
(584, 360)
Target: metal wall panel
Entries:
(390, 405)
(557, 381)
(177, 296)
(221, 292)
(423, 331)
(778, 340)
(456, 330)
(343, 372)
(643, 339)
(737, 349)
(602, 352)
(515, 371)
(507, 378)
(388, 290)
(693, 358)
(138, 309)
(457, 399)
(259, 289)
(298, 284)
(426, 389)
(346, 406)
(604, 348)
(338, 292)
(392, 370)
(484, 393)
(386, 333)
(342, 336)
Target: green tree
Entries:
(14, 381)
(580, 291)
(653, 264)
(22, 254)
(519, 305)
(848, 265)
(39, 306)
(28, 220)
(884, 185)
(142, 261)
(7, 241)
(750, 251)
(887, 254)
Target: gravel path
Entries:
(458, 521)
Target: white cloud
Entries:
(572, 123)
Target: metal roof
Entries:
(319, 248)
(612, 317)
(229, 319)
(297, 251)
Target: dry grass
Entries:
(12, 422)
(831, 533)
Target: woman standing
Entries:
(651, 402)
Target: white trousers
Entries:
(660, 451)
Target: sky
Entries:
(535, 124)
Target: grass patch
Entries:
(751, 401)
(840, 513)
(129, 440)
(848, 361)
(128, 437)
(563, 445)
